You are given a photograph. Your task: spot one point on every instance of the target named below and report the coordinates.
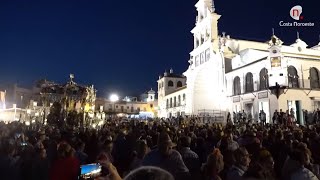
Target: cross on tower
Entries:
(71, 77)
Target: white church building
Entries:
(232, 75)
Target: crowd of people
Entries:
(162, 150)
(278, 117)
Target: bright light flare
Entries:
(114, 98)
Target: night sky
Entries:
(123, 45)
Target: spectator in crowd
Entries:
(190, 158)
(242, 162)
(213, 166)
(141, 151)
(167, 158)
(227, 142)
(80, 154)
(40, 166)
(66, 166)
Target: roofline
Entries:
(265, 58)
(178, 89)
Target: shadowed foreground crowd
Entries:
(154, 150)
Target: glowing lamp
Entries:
(114, 98)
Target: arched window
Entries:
(314, 78)
(179, 100)
(170, 84)
(184, 97)
(249, 82)
(167, 105)
(202, 39)
(197, 42)
(179, 84)
(264, 79)
(236, 86)
(174, 102)
(171, 102)
(293, 78)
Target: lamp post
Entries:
(114, 98)
(29, 114)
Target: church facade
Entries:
(232, 75)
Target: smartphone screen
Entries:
(90, 169)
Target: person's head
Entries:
(149, 173)
(7, 148)
(228, 135)
(265, 159)
(302, 154)
(141, 148)
(185, 141)
(165, 143)
(215, 163)
(242, 157)
(65, 150)
(80, 146)
(41, 152)
(108, 146)
(42, 135)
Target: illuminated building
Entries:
(232, 75)
(130, 106)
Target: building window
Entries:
(170, 84)
(151, 105)
(127, 107)
(151, 97)
(184, 97)
(117, 107)
(179, 100)
(170, 102)
(167, 105)
(293, 78)
(174, 102)
(207, 55)
(197, 61)
(264, 79)
(197, 43)
(314, 78)
(131, 109)
(249, 82)
(202, 60)
(236, 86)
(202, 40)
(179, 84)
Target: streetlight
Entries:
(29, 114)
(114, 98)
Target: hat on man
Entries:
(164, 139)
